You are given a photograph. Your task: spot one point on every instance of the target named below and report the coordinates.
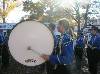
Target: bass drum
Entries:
(28, 41)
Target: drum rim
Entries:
(14, 28)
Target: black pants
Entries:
(50, 68)
(60, 69)
(93, 59)
(5, 56)
(78, 56)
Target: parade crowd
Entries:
(67, 50)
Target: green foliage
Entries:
(35, 9)
(46, 8)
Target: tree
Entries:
(52, 10)
(78, 16)
(36, 10)
(7, 6)
(45, 9)
(92, 9)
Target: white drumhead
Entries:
(28, 40)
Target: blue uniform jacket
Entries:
(95, 41)
(80, 41)
(67, 52)
(2, 38)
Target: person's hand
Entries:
(45, 57)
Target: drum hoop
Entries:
(14, 28)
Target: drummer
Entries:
(63, 57)
(49, 65)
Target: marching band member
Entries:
(62, 57)
(5, 52)
(80, 45)
(93, 50)
(50, 67)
